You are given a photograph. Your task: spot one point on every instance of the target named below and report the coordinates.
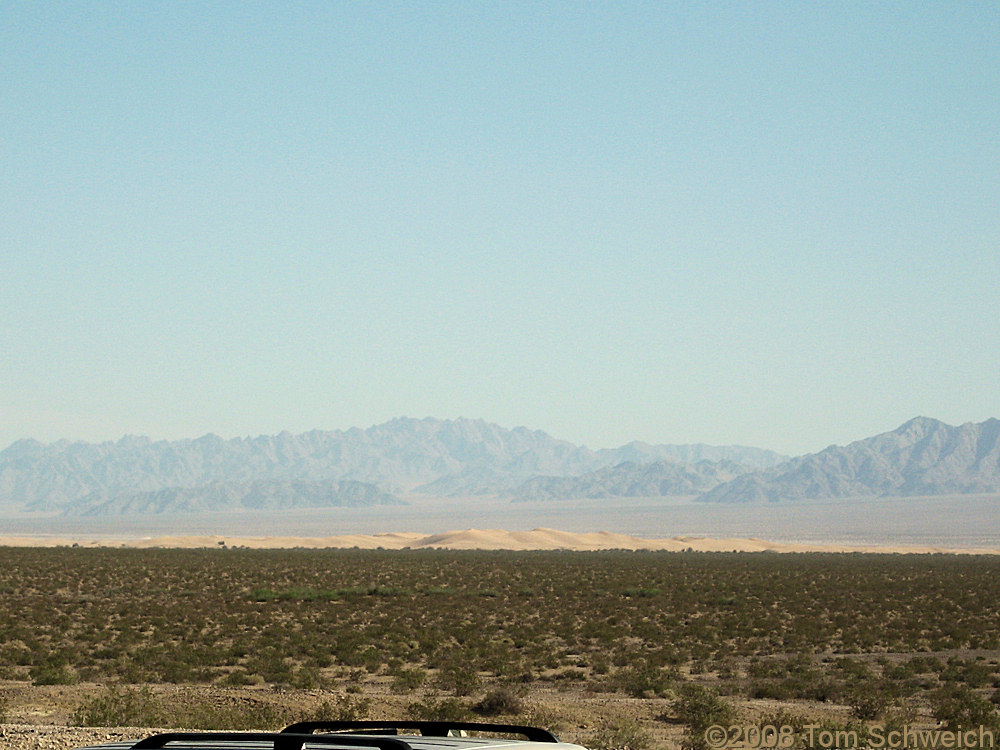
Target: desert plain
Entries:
(612, 640)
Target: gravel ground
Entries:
(33, 737)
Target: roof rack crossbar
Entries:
(427, 728)
(279, 740)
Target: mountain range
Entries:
(921, 457)
(408, 458)
(630, 479)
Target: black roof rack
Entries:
(426, 728)
(279, 741)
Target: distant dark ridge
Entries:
(659, 479)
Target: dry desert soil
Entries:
(40, 716)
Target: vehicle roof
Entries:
(416, 742)
(365, 736)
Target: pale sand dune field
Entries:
(477, 539)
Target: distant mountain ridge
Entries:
(638, 452)
(461, 456)
(629, 479)
(683, 470)
(921, 457)
(469, 458)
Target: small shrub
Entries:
(446, 709)
(782, 718)
(458, 679)
(569, 675)
(853, 668)
(308, 678)
(407, 680)
(543, 716)
(960, 708)
(259, 716)
(868, 701)
(627, 735)
(48, 674)
(238, 678)
(642, 681)
(117, 707)
(700, 707)
(501, 700)
(768, 689)
(345, 707)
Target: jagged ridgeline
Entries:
(403, 458)
(921, 457)
(315, 469)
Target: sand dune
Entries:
(482, 539)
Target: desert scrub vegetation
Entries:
(451, 626)
(500, 701)
(621, 735)
(698, 708)
(127, 705)
(122, 707)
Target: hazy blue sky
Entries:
(775, 224)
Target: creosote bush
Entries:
(52, 674)
(407, 680)
(499, 701)
(869, 700)
(345, 707)
(699, 708)
(457, 678)
(624, 735)
(643, 680)
(127, 706)
(446, 709)
(120, 707)
(960, 708)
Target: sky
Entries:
(772, 224)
